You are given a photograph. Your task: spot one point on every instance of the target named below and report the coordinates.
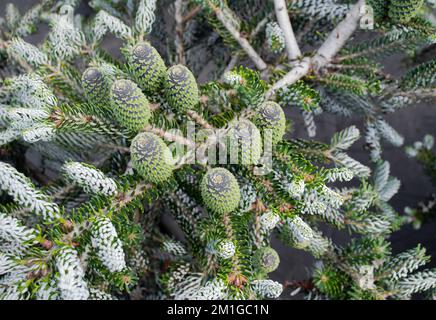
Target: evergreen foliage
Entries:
(118, 155)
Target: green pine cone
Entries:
(181, 89)
(96, 87)
(271, 117)
(244, 140)
(266, 259)
(147, 67)
(151, 157)
(220, 191)
(130, 105)
(379, 7)
(402, 11)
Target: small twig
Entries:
(115, 147)
(199, 119)
(260, 25)
(154, 106)
(191, 14)
(233, 61)
(169, 136)
(296, 73)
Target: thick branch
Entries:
(338, 37)
(335, 41)
(245, 45)
(296, 73)
(292, 48)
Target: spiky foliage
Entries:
(275, 37)
(422, 152)
(24, 192)
(89, 178)
(72, 286)
(89, 212)
(104, 239)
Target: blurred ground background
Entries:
(413, 123)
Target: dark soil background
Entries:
(413, 123)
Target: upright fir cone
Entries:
(147, 67)
(96, 87)
(220, 191)
(402, 11)
(271, 118)
(131, 107)
(181, 89)
(151, 157)
(245, 141)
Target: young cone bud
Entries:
(402, 11)
(379, 7)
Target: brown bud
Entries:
(286, 207)
(204, 99)
(67, 226)
(237, 280)
(258, 206)
(47, 244)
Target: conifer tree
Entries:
(127, 140)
